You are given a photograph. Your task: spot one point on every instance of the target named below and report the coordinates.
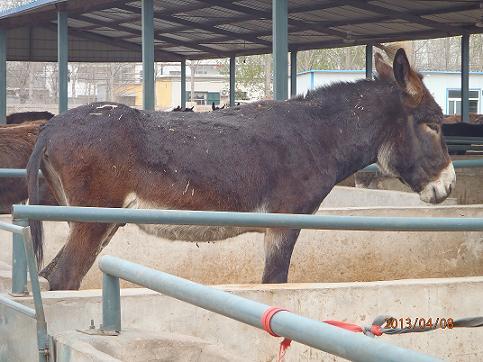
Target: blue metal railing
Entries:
(313, 333)
(175, 217)
(472, 163)
(244, 219)
(23, 259)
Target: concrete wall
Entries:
(319, 256)
(358, 303)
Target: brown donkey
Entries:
(281, 157)
(16, 144)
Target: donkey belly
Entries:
(183, 232)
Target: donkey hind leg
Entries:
(279, 244)
(84, 243)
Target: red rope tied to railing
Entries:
(266, 320)
(375, 329)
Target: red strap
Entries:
(266, 320)
(375, 329)
(349, 326)
(271, 311)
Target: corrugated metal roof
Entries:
(110, 30)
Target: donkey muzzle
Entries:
(438, 190)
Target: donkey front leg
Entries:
(84, 243)
(279, 244)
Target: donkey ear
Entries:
(407, 78)
(384, 70)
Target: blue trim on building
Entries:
(362, 71)
(312, 80)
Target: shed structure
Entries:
(179, 30)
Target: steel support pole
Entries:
(280, 49)
(293, 74)
(183, 83)
(63, 59)
(148, 54)
(19, 262)
(369, 56)
(3, 76)
(232, 81)
(111, 303)
(465, 78)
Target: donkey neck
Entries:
(357, 120)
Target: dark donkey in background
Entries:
(21, 117)
(17, 141)
(281, 157)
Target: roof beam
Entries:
(211, 28)
(268, 15)
(160, 54)
(157, 36)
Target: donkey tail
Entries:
(33, 168)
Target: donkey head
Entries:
(415, 152)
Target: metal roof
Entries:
(110, 30)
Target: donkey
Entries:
(474, 118)
(17, 118)
(16, 144)
(216, 108)
(269, 156)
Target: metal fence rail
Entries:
(244, 219)
(307, 331)
(474, 163)
(111, 305)
(23, 260)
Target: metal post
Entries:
(183, 83)
(293, 73)
(369, 54)
(19, 263)
(3, 76)
(465, 78)
(42, 335)
(280, 49)
(111, 303)
(63, 59)
(232, 81)
(148, 54)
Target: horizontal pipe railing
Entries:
(15, 229)
(14, 172)
(29, 312)
(244, 219)
(451, 140)
(313, 333)
(474, 163)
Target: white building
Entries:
(445, 86)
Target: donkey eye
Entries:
(433, 126)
